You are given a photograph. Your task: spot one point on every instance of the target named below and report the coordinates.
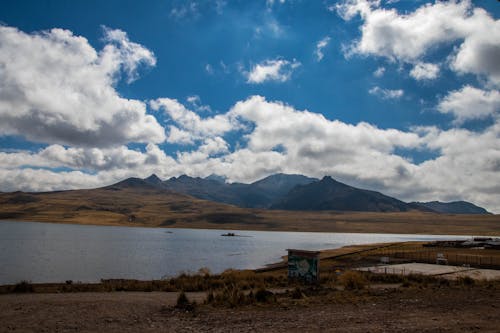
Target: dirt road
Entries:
(433, 309)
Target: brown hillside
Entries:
(151, 207)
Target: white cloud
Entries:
(279, 70)
(467, 166)
(131, 54)
(209, 69)
(319, 48)
(470, 103)
(424, 71)
(195, 102)
(270, 3)
(379, 72)
(57, 88)
(386, 93)
(86, 159)
(186, 9)
(411, 37)
(268, 26)
(219, 6)
(193, 127)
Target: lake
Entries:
(49, 252)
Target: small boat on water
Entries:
(229, 234)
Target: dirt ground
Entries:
(414, 309)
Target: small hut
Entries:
(303, 265)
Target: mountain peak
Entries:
(131, 182)
(217, 178)
(329, 194)
(153, 179)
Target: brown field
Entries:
(151, 208)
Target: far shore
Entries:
(150, 208)
(352, 222)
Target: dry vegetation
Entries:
(152, 208)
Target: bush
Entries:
(297, 293)
(264, 296)
(352, 280)
(231, 296)
(465, 281)
(23, 287)
(183, 302)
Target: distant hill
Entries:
(260, 194)
(455, 207)
(329, 194)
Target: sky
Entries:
(401, 97)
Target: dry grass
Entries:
(154, 208)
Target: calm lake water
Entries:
(49, 252)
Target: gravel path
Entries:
(386, 310)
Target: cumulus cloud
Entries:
(319, 48)
(195, 102)
(56, 88)
(131, 54)
(279, 70)
(411, 37)
(386, 93)
(86, 159)
(192, 126)
(470, 103)
(424, 71)
(279, 138)
(88, 167)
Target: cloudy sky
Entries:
(401, 96)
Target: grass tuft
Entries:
(353, 280)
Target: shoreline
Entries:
(243, 227)
(350, 256)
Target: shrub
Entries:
(465, 281)
(183, 302)
(264, 296)
(352, 280)
(232, 296)
(297, 293)
(23, 287)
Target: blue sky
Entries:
(396, 96)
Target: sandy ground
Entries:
(433, 309)
(446, 271)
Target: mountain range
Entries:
(151, 202)
(296, 192)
